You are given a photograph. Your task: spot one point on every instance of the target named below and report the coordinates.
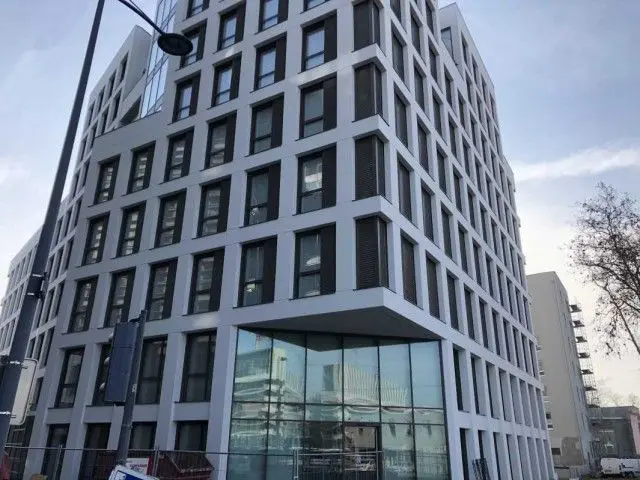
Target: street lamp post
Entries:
(171, 43)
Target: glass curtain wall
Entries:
(313, 391)
(158, 61)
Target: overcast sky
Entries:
(566, 75)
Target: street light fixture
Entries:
(170, 43)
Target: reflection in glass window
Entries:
(309, 264)
(258, 198)
(267, 67)
(311, 184)
(314, 48)
(269, 14)
(321, 393)
(253, 275)
(313, 108)
(229, 25)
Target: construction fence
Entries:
(22, 463)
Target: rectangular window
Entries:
(371, 253)
(206, 282)
(214, 208)
(69, 378)
(196, 6)
(191, 436)
(57, 438)
(483, 324)
(396, 8)
(95, 239)
(82, 305)
(231, 27)
(266, 127)
(457, 189)
(457, 358)
(453, 135)
(437, 114)
(446, 233)
(220, 143)
(468, 303)
(471, 204)
(397, 55)
(317, 181)
(178, 156)
(186, 101)
(123, 69)
(433, 63)
(430, 15)
(366, 24)
(151, 369)
(448, 88)
(170, 219)
(401, 120)
(141, 169)
(103, 124)
(270, 63)
(196, 36)
(106, 180)
(119, 298)
(423, 148)
(415, 34)
(427, 214)
(131, 232)
(315, 265)
(404, 190)
(319, 43)
(318, 108)
(226, 80)
(160, 292)
(476, 261)
(258, 272)
(273, 12)
(198, 367)
(418, 81)
(143, 435)
(442, 172)
(462, 239)
(432, 287)
(453, 302)
(263, 195)
(368, 91)
(101, 376)
(370, 169)
(408, 271)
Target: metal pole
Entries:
(127, 415)
(11, 373)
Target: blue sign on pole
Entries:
(123, 473)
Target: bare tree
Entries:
(606, 251)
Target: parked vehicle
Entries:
(626, 467)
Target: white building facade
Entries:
(115, 99)
(321, 223)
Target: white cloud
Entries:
(10, 170)
(587, 162)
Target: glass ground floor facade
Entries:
(328, 394)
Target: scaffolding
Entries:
(587, 373)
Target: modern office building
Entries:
(113, 102)
(316, 212)
(618, 431)
(566, 406)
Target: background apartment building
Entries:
(566, 405)
(316, 211)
